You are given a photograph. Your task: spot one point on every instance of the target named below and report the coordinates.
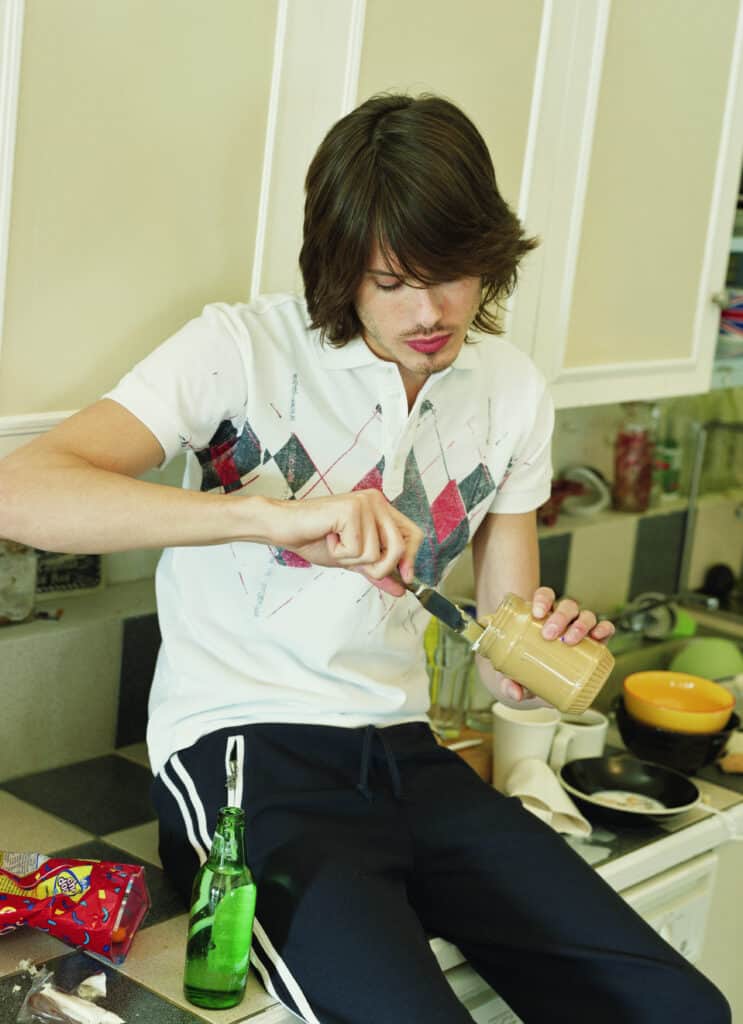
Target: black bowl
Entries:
(622, 790)
(684, 752)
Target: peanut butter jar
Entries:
(568, 676)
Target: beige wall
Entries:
(137, 174)
(480, 54)
(644, 225)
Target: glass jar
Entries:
(633, 458)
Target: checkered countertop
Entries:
(100, 809)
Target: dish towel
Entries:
(539, 790)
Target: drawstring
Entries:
(363, 783)
(366, 751)
(392, 766)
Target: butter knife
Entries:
(442, 608)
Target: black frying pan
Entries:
(624, 790)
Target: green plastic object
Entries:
(709, 657)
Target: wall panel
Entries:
(138, 166)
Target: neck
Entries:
(413, 383)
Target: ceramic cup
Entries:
(578, 736)
(518, 734)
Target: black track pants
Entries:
(365, 842)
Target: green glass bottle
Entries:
(221, 920)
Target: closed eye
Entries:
(388, 287)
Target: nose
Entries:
(428, 306)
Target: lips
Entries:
(429, 345)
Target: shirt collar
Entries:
(353, 354)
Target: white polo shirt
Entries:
(255, 634)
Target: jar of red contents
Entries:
(633, 459)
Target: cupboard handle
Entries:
(722, 298)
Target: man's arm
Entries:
(74, 489)
(506, 559)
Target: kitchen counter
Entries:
(100, 809)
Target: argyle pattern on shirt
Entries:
(437, 502)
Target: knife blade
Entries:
(442, 608)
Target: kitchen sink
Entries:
(635, 653)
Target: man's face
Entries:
(421, 328)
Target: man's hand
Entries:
(565, 621)
(360, 531)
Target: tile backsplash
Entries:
(657, 557)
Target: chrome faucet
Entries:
(705, 429)
(637, 616)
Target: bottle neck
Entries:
(228, 841)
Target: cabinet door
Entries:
(484, 60)
(634, 196)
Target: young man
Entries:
(329, 442)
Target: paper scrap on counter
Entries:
(29, 967)
(92, 988)
(71, 1009)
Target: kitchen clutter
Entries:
(451, 674)
(710, 656)
(621, 789)
(730, 340)
(531, 745)
(595, 494)
(578, 736)
(641, 455)
(47, 1003)
(684, 752)
(539, 790)
(520, 733)
(677, 701)
(731, 763)
(677, 719)
(18, 573)
(567, 676)
(633, 458)
(657, 616)
(93, 905)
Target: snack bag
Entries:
(95, 905)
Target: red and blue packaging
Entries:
(96, 906)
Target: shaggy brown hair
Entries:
(414, 174)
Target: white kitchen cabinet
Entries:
(616, 128)
(721, 957)
(638, 141)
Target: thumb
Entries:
(386, 585)
(333, 541)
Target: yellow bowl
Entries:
(677, 701)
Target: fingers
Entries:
(509, 692)
(389, 540)
(603, 631)
(361, 530)
(569, 621)
(396, 547)
(358, 539)
(387, 584)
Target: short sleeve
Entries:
(189, 385)
(527, 481)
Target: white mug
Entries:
(578, 736)
(518, 734)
